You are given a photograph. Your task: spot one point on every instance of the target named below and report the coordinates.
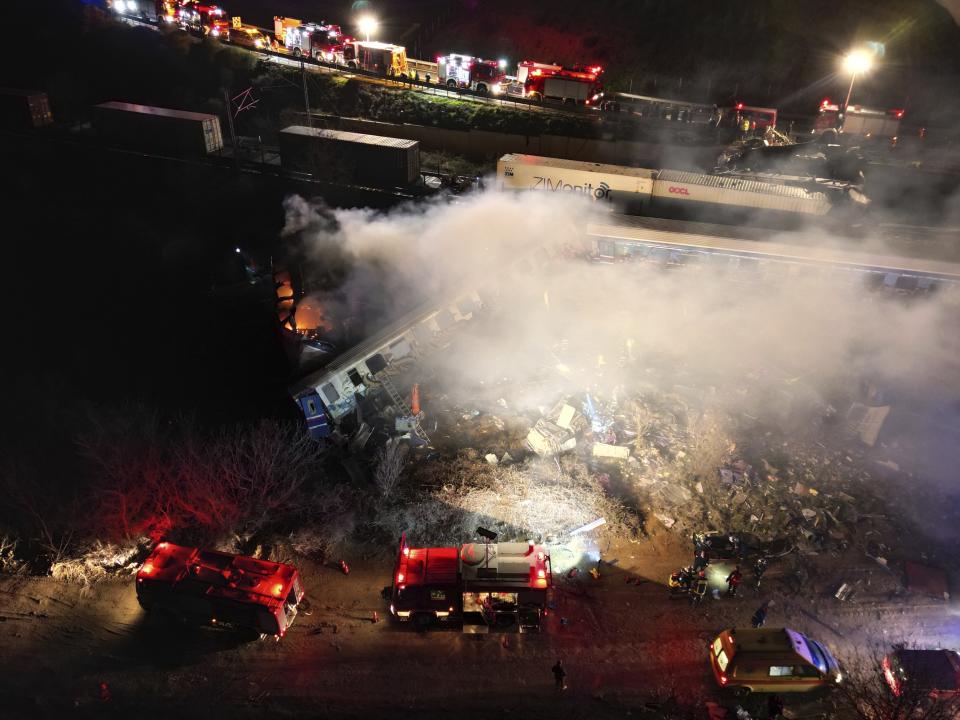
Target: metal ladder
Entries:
(402, 406)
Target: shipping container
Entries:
(21, 109)
(351, 158)
(625, 189)
(153, 128)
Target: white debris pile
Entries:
(530, 500)
(100, 561)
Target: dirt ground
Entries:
(626, 645)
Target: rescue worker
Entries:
(559, 674)
(699, 589)
(745, 128)
(733, 581)
(760, 616)
(701, 561)
(759, 568)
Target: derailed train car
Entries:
(684, 195)
(335, 399)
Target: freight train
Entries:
(681, 194)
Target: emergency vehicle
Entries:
(204, 19)
(482, 587)
(528, 66)
(752, 117)
(465, 71)
(214, 588)
(576, 86)
(146, 9)
(857, 120)
(247, 36)
(321, 42)
(378, 57)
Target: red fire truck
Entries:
(319, 41)
(858, 120)
(573, 86)
(528, 66)
(204, 19)
(465, 71)
(214, 588)
(480, 586)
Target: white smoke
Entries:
(560, 330)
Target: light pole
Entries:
(855, 63)
(367, 25)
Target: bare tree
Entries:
(47, 511)
(390, 462)
(154, 478)
(864, 694)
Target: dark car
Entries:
(931, 672)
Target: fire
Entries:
(312, 316)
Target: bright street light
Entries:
(367, 25)
(855, 63)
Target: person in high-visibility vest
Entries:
(745, 127)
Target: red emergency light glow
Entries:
(147, 568)
(400, 577)
(898, 113)
(723, 679)
(825, 103)
(278, 589)
(739, 106)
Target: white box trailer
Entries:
(876, 123)
(154, 128)
(623, 188)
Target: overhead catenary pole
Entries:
(233, 132)
(306, 96)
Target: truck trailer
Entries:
(20, 109)
(154, 128)
(351, 158)
(207, 587)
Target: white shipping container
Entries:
(604, 183)
(687, 188)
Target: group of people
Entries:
(693, 579)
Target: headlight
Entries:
(258, 43)
(839, 677)
(497, 88)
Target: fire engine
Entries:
(321, 41)
(857, 120)
(758, 118)
(215, 588)
(574, 86)
(480, 586)
(147, 9)
(205, 19)
(528, 66)
(378, 57)
(464, 71)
